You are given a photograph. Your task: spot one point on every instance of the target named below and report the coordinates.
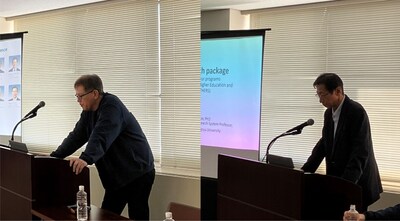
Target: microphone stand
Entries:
(22, 120)
(295, 132)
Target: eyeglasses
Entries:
(321, 95)
(79, 97)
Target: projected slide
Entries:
(231, 72)
(10, 85)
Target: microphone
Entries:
(34, 110)
(309, 122)
(29, 115)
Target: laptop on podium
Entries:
(18, 146)
(276, 160)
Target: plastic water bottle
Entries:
(353, 213)
(81, 204)
(168, 216)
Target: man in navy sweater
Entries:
(116, 144)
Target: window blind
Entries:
(117, 40)
(180, 83)
(146, 52)
(359, 40)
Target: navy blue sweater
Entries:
(115, 141)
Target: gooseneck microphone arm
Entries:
(294, 131)
(22, 120)
(29, 115)
(273, 141)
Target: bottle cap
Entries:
(168, 215)
(81, 187)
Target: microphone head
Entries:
(310, 122)
(41, 104)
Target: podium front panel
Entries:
(327, 197)
(250, 190)
(28, 181)
(15, 184)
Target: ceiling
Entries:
(20, 7)
(252, 4)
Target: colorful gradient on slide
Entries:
(231, 74)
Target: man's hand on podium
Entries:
(77, 165)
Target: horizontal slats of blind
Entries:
(49, 73)
(294, 55)
(117, 40)
(180, 77)
(364, 46)
(359, 41)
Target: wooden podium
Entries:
(28, 182)
(250, 190)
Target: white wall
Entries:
(215, 20)
(166, 189)
(237, 21)
(6, 26)
(225, 19)
(386, 200)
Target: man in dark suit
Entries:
(14, 65)
(14, 95)
(346, 142)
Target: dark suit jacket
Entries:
(16, 69)
(350, 156)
